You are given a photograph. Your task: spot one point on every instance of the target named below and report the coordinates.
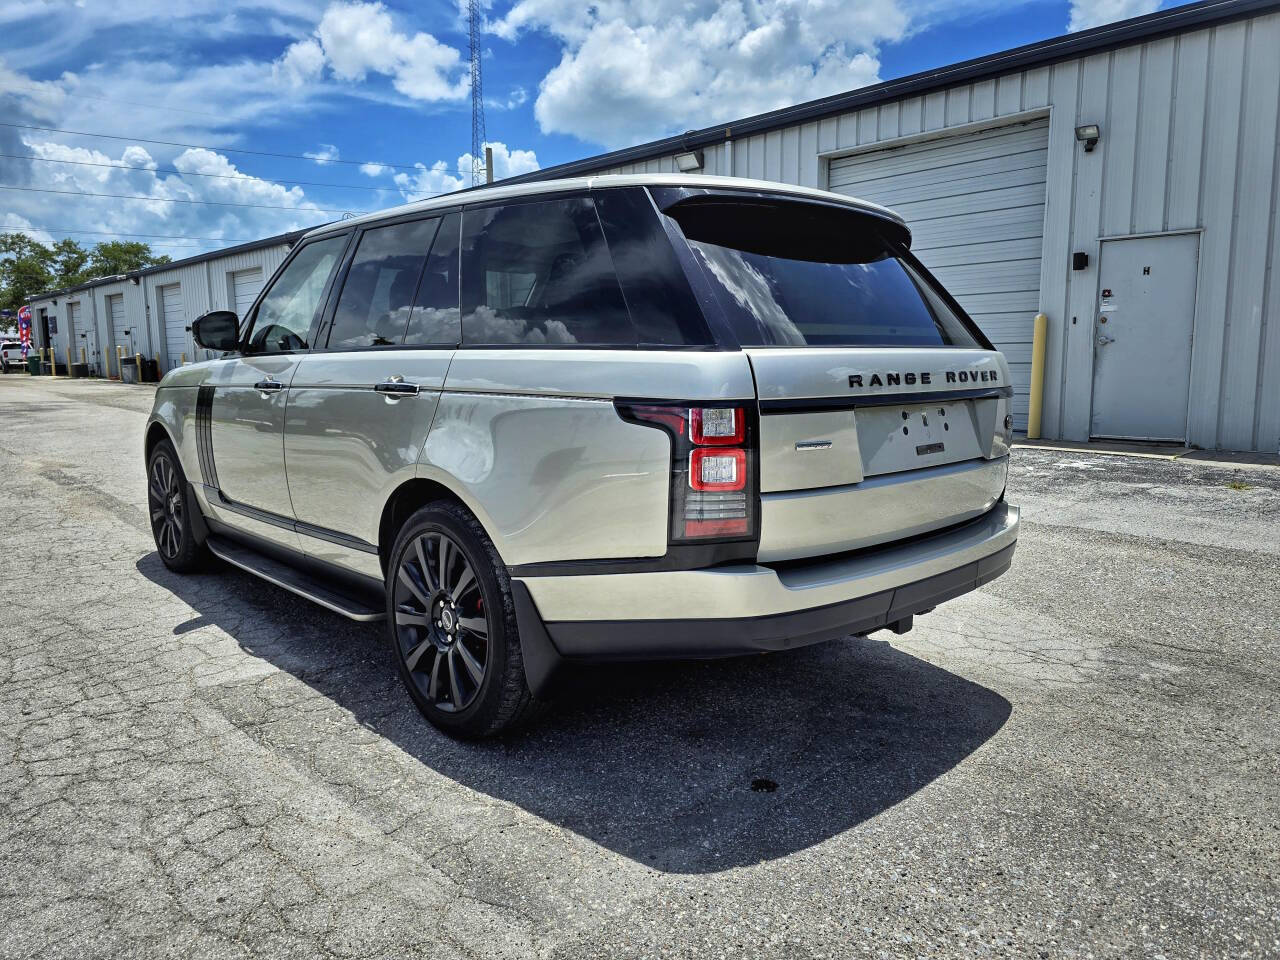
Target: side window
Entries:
(540, 273)
(284, 316)
(435, 313)
(377, 296)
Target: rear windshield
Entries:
(10, 346)
(794, 274)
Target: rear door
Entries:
(880, 403)
(361, 404)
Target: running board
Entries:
(327, 595)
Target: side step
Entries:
(328, 595)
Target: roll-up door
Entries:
(115, 317)
(175, 322)
(75, 327)
(245, 285)
(975, 205)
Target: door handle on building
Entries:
(1103, 339)
(267, 387)
(394, 388)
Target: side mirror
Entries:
(217, 330)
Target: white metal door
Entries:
(116, 319)
(174, 318)
(1142, 337)
(975, 205)
(245, 285)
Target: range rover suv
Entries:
(606, 418)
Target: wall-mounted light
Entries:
(690, 162)
(54, 302)
(134, 281)
(1088, 134)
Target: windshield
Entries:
(793, 274)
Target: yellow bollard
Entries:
(69, 356)
(84, 357)
(137, 358)
(184, 360)
(53, 362)
(1040, 334)
(120, 362)
(157, 365)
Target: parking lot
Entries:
(1079, 760)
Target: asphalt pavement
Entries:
(1082, 759)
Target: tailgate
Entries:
(863, 446)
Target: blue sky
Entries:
(346, 81)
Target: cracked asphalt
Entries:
(1079, 760)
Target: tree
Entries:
(121, 256)
(29, 267)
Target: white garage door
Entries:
(975, 205)
(115, 317)
(174, 318)
(245, 285)
(74, 329)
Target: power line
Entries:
(187, 173)
(199, 146)
(110, 233)
(215, 203)
(132, 103)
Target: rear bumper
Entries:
(750, 607)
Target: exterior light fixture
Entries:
(689, 162)
(1088, 135)
(134, 281)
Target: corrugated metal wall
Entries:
(1189, 142)
(205, 287)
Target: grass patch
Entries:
(1239, 485)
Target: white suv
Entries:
(609, 418)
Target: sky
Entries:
(285, 113)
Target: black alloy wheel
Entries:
(170, 511)
(451, 622)
(441, 625)
(164, 496)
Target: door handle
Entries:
(1103, 339)
(267, 387)
(393, 388)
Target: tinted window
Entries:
(661, 304)
(790, 274)
(540, 273)
(435, 313)
(284, 317)
(377, 296)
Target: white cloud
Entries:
(637, 70)
(356, 39)
(327, 152)
(1093, 13)
(433, 180)
(373, 169)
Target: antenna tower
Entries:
(477, 96)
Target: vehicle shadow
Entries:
(686, 767)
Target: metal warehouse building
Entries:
(150, 311)
(1152, 251)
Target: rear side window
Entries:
(539, 273)
(377, 297)
(435, 314)
(794, 274)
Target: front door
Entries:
(247, 395)
(1142, 337)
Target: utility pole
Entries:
(478, 165)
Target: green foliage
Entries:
(28, 267)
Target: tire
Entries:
(442, 627)
(169, 507)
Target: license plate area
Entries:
(896, 437)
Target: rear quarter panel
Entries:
(531, 441)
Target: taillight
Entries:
(713, 468)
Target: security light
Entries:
(1088, 135)
(690, 162)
